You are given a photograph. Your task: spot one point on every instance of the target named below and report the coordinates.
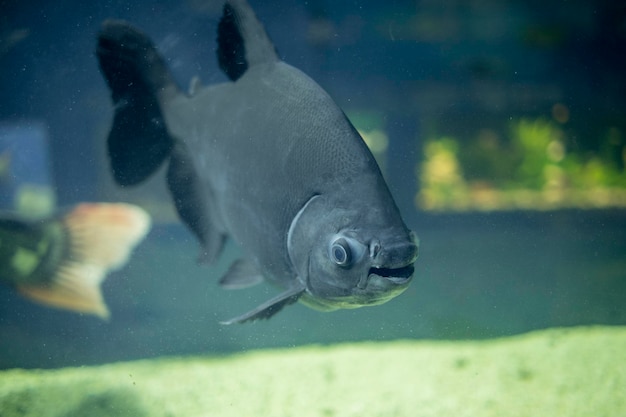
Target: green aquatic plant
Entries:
(530, 166)
(539, 146)
(441, 177)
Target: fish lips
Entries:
(382, 284)
(395, 276)
(391, 274)
(387, 282)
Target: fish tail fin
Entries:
(100, 238)
(140, 83)
(242, 40)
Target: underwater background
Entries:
(499, 125)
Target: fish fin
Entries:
(270, 307)
(100, 238)
(194, 86)
(75, 287)
(241, 274)
(242, 40)
(193, 203)
(139, 81)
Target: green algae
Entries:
(557, 372)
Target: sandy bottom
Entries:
(557, 372)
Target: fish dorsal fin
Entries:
(242, 40)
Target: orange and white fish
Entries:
(61, 262)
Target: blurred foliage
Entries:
(529, 167)
(35, 201)
(441, 177)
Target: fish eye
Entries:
(340, 252)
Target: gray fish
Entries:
(268, 160)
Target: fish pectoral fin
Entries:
(241, 274)
(270, 307)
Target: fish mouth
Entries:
(397, 276)
(393, 267)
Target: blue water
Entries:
(478, 276)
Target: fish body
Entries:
(29, 251)
(268, 160)
(61, 261)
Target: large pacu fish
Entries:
(268, 160)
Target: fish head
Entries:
(347, 259)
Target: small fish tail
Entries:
(100, 238)
(140, 82)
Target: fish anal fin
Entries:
(75, 287)
(193, 204)
(241, 274)
(270, 307)
(242, 40)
